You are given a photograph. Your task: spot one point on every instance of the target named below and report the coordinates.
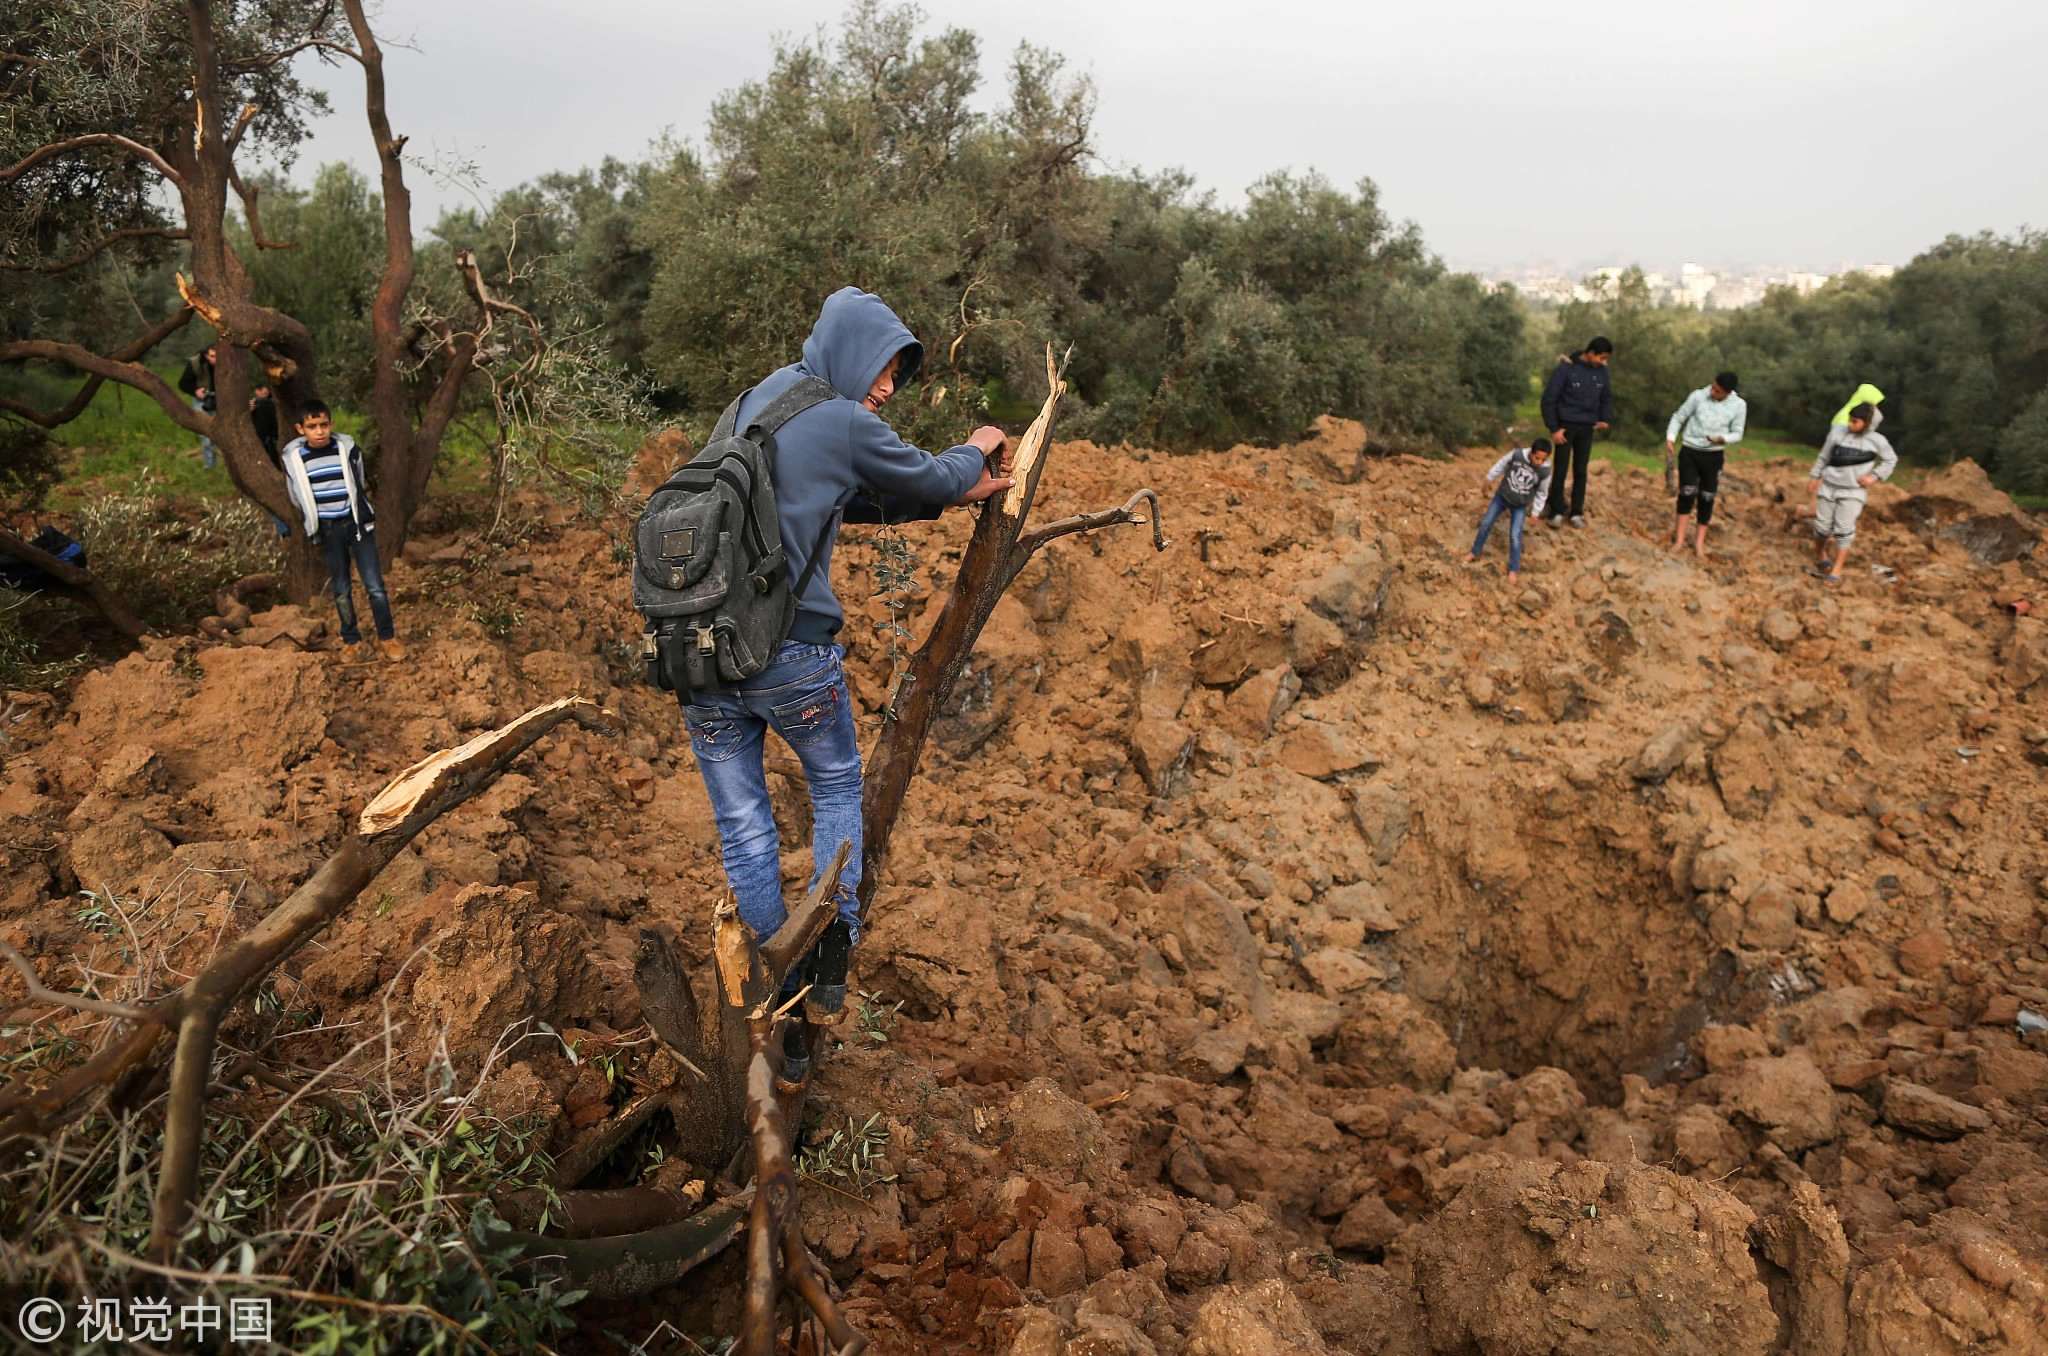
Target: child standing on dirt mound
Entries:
(1524, 478)
(1853, 458)
(836, 461)
(323, 474)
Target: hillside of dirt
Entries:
(1306, 942)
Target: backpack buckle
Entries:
(706, 642)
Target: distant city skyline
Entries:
(1814, 135)
(1690, 284)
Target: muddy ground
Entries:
(1305, 941)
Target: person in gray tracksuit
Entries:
(1853, 458)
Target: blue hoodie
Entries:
(840, 459)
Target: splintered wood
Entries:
(429, 775)
(1031, 447)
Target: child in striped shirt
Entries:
(323, 473)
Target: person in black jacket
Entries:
(197, 382)
(1577, 400)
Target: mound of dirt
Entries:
(1304, 941)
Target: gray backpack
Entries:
(710, 575)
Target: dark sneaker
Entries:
(825, 1004)
(796, 1057)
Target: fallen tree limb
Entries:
(419, 796)
(605, 1213)
(83, 583)
(636, 1264)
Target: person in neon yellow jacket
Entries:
(1866, 394)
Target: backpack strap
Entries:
(803, 580)
(802, 394)
(724, 427)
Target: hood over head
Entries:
(854, 338)
(1866, 394)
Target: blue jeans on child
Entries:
(342, 543)
(802, 696)
(1517, 516)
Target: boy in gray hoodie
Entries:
(1853, 458)
(836, 462)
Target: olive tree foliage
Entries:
(861, 160)
(131, 127)
(1957, 339)
(865, 158)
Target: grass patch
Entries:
(1632, 448)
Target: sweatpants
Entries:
(1699, 479)
(1835, 512)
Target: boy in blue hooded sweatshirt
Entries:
(836, 462)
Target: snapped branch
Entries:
(1089, 522)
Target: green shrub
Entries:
(166, 560)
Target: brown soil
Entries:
(1628, 961)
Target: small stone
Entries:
(1661, 756)
(1320, 750)
(1923, 954)
(1846, 901)
(1778, 628)
(1368, 1224)
(1339, 972)
(1923, 1111)
(1057, 1263)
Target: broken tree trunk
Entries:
(998, 550)
(419, 796)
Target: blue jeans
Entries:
(343, 543)
(1517, 516)
(206, 455)
(803, 697)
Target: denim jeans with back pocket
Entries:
(801, 696)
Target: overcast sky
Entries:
(1743, 132)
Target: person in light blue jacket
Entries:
(1711, 421)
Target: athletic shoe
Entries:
(1578, 520)
(825, 1004)
(393, 649)
(1555, 520)
(796, 1057)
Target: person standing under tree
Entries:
(197, 382)
(1702, 430)
(323, 474)
(1577, 400)
(1851, 460)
